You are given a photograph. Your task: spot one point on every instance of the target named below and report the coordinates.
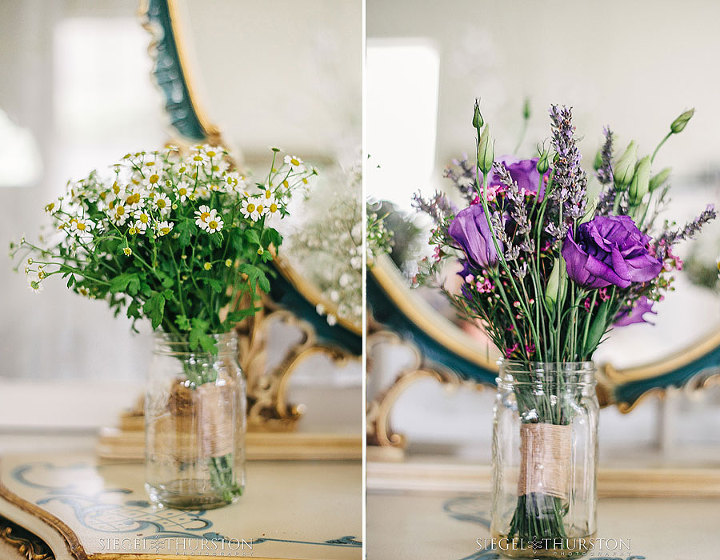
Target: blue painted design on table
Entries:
(106, 511)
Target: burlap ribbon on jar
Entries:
(545, 453)
(198, 423)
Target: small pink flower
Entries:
(509, 352)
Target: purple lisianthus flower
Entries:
(609, 250)
(523, 171)
(636, 314)
(470, 229)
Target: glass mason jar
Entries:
(195, 424)
(544, 460)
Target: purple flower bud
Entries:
(470, 230)
(609, 250)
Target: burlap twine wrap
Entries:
(199, 423)
(544, 459)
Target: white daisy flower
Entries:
(271, 204)
(214, 152)
(218, 167)
(163, 228)
(81, 225)
(214, 224)
(249, 208)
(133, 199)
(234, 182)
(203, 215)
(181, 168)
(203, 192)
(119, 214)
(261, 208)
(295, 163)
(153, 178)
(182, 191)
(163, 204)
(142, 220)
(197, 159)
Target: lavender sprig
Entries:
(464, 177)
(604, 174)
(439, 207)
(671, 237)
(570, 178)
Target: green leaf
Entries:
(240, 314)
(264, 282)
(272, 236)
(125, 282)
(199, 338)
(186, 228)
(214, 284)
(154, 308)
(133, 310)
(597, 329)
(182, 322)
(252, 237)
(166, 280)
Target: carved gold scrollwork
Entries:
(380, 435)
(269, 408)
(27, 544)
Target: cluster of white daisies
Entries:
(147, 187)
(148, 193)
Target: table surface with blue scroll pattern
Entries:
(295, 510)
(442, 526)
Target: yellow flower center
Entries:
(286, 184)
(268, 194)
(161, 203)
(207, 266)
(204, 216)
(260, 208)
(133, 198)
(213, 224)
(211, 153)
(295, 161)
(197, 157)
(154, 178)
(182, 191)
(81, 226)
(144, 218)
(120, 210)
(251, 207)
(133, 230)
(164, 230)
(273, 208)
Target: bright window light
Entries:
(401, 118)
(20, 164)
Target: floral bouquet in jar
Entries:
(186, 242)
(547, 272)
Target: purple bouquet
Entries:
(546, 270)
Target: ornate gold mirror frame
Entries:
(292, 299)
